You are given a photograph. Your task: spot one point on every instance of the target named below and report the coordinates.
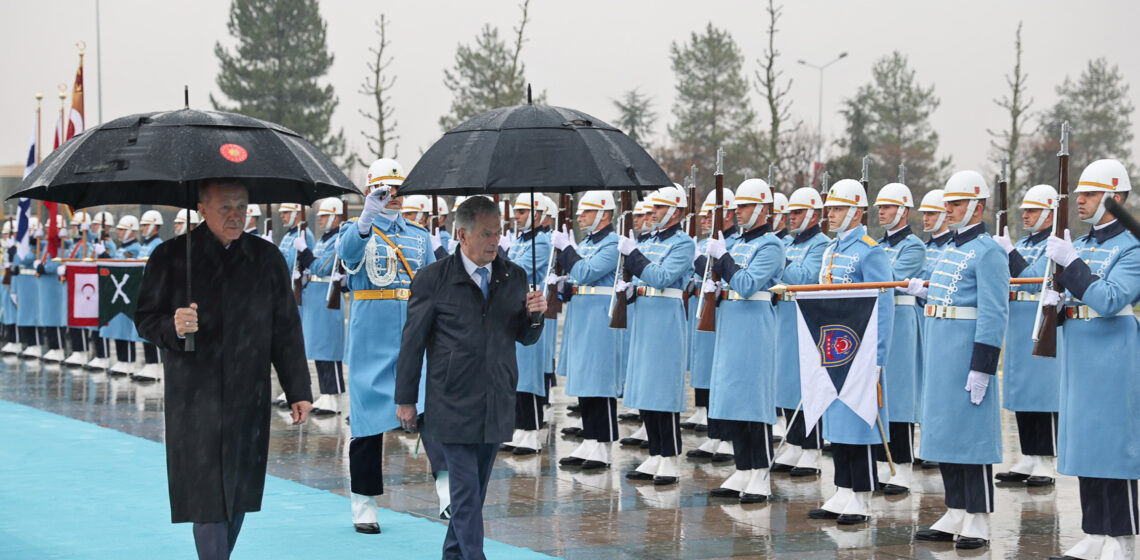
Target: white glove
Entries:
(100, 248)
(976, 384)
(9, 242)
(299, 243)
(38, 233)
(915, 287)
(296, 274)
(373, 204)
(14, 301)
(1004, 241)
(716, 247)
(623, 286)
(266, 237)
(710, 287)
(61, 271)
(1052, 297)
(436, 242)
(452, 244)
(36, 264)
(337, 276)
(552, 278)
(561, 240)
(1061, 251)
(84, 226)
(626, 245)
(505, 243)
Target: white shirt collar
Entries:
(1104, 225)
(968, 228)
(846, 234)
(896, 230)
(470, 266)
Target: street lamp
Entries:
(819, 122)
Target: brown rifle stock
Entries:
(298, 285)
(707, 320)
(334, 295)
(1046, 344)
(553, 304)
(618, 316)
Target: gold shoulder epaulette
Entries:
(350, 220)
(416, 224)
(870, 242)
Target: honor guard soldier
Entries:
(150, 223)
(252, 213)
(780, 217)
(642, 230)
(195, 219)
(594, 359)
(324, 328)
(1099, 427)
(104, 247)
(801, 452)
(290, 245)
(655, 375)
(1031, 386)
(120, 329)
(904, 362)
(718, 445)
(7, 296)
(642, 220)
(25, 287)
(967, 306)
(51, 305)
(532, 256)
(854, 257)
(549, 340)
(381, 252)
(742, 397)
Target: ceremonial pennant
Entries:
(82, 295)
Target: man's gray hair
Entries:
(474, 206)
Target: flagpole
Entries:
(99, 67)
(39, 153)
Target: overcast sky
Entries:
(583, 53)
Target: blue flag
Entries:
(25, 205)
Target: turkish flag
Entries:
(82, 295)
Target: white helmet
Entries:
(710, 201)
(59, 222)
(966, 185)
(753, 191)
(595, 200)
(779, 210)
(846, 193)
(253, 211)
(641, 208)
(333, 205)
(805, 198)
(385, 171)
(289, 207)
(441, 205)
(932, 202)
(673, 197)
(128, 222)
(895, 194)
(416, 203)
(550, 206)
(151, 218)
(195, 219)
(101, 218)
(80, 217)
(33, 223)
(1039, 197)
(526, 201)
(1103, 175)
(7, 227)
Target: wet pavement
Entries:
(570, 513)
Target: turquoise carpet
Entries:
(70, 489)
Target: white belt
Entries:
(27, 272)
(788, 296)
(758, 296)
(657, 292)
(950, 312)
(905, 300)
(1024, 296)
(1085, 312)
(593, 291)
(315, 278)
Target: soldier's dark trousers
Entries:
(330, 377)
(151, 355)
(664, 431)
(751, 444)
(102, 345)
(366, 465)
(78, 339)
(599, 418)
(53, 336)
(1037, 432)
(902, 444)
(528, 411)
(717, 430)
(215, 541)
(125, 350)
(701, 397)
(1108, 507)
(29, 336)
(968, 487)
(854, 467)
(795, 432)
(9, 333)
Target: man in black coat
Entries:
(217, 397)
(467, 311)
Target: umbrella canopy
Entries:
(152, 158)
(529, 148)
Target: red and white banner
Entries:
(82, 295)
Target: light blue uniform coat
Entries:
(849, 259)
(27, 290)
(973, 272)
(1029, 383)
(804, 256)
(658, 328)
(904, 362)
(378, 324)
(324, 328)
(1100, 383)
(743, 372)
(529, 357)
(593, 356)
(702, 344)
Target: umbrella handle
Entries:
(188, 342)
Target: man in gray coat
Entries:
(467, 312)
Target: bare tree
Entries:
(1007, 143)
(768, 83)
(377, 85)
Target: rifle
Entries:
(772, 187)
(866, 180)
(706, 306)
(298, 285)
(269, 221)
(553, 304)
(333, 296)
(618, 301)
(1045, 323)
(1002, 214)
(694, 225)
(824, 224)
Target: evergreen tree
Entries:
(636, 116)
(273, 72)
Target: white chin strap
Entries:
(665, 220)
(1040, 223)
(529, 221)
(292, 219)
(807, 220)
(597, 220)
(776, 223)
(1096, 217)
(970, 208)
(937, 225)
(898, 218)
(846, 219)
(753, 219)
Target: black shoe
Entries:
(525, 451)
(571, 461)
(776, 440)
(367, 528)
(852, 519)
(753, 498)
(822, 514)
(917, 462)
(664, 480)
(572, 431)
(644, 445)
(701, 428)
(1039, 481)
(895, 489)
(721, 457)
(780, 467)
(631, 441)
(1063, 558)
(688, 425)
(933, 535)
(591, 465)
(629, 416)
(574, 408)
(1010, 476)
(970, 543)
(804, 471)
(323, 412)
(927, 465)
(826, 448)
(698, 454)
(506, 447)
(724, 493)
(638, 475)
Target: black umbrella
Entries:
(161, 158)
